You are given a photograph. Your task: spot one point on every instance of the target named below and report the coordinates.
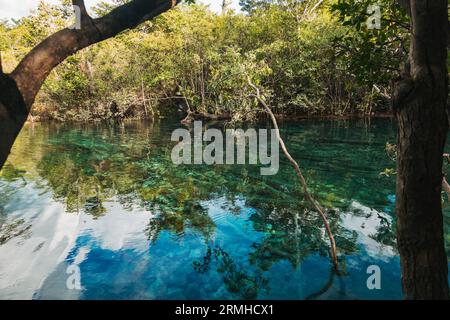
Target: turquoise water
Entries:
(107, 199)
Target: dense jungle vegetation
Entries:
(191, 58)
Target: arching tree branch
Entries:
(18, 90)
(52, 51)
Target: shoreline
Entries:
(281, 117)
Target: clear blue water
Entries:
(107, 199)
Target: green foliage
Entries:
(309, 57)
(11, 173)
(374, 55)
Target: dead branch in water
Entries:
(294, 163)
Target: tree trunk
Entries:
(419, 103)
(13, 114)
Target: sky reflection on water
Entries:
(108, 199)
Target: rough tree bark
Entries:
(419, 104)
(18, 90)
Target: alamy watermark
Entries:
(77, 24)
(73, 281)
(191, 150)
(374, 19)
(374, 280)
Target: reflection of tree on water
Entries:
(84, 170)
(10, 173)
(328, 285)
(385, 234)
(17, 228)
(14, 179)
(87, 167)
(193, 216)
(238, 281)
(294, 235)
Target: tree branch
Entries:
(35, 67)
(299, 173)
(18, 90)
(84, 15)
(80, 4)
(315, 6)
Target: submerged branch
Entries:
(299, 173)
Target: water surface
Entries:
(107, 199)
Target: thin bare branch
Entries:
(315, 6)
(299, 173)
